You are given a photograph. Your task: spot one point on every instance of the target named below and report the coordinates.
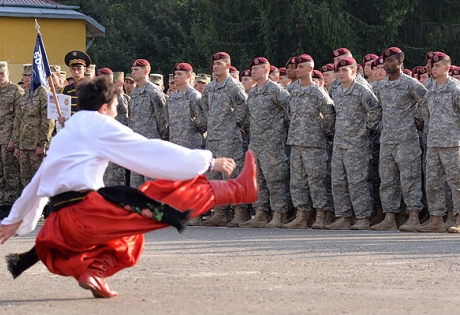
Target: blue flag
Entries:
(40, 67)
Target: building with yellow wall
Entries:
(62, 28)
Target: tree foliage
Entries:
(166, 32)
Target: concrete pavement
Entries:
(257, 271)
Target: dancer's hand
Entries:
(224, 165)
(8, 230)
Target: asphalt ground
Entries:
(257, 271)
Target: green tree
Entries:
(166, 32)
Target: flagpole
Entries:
(50, 81)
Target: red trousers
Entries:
(74, 237)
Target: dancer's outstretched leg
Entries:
(201, 195)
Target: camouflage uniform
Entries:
(312, 119)
(442, 107)
(32, 129)
(426, 127)
(149, 117)
(400, 168)
(115, 175)
(357, 109)
(187, 122)
(10, 184)
(267, 107)
(225, 108)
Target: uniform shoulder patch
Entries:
(370, 103)
(236, 98)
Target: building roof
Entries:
(50, 10)
(40, 2)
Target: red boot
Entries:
(97, 285)
(94, 277)
(242, 189)
(202, 195)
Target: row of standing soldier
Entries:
(312, 151)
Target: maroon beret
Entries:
(140, 63)
(408, 72)
(438, 56)
(246, 73)
(183, 66)
(327, 67)
(377, 62)
(456, 71)
(220, 55)
(421, 70)
(258, 61)
(282, 71)
(428, 56)
(451, 69)
(317, 74)
(347, 61)
(104, 71)
(369, 57)
(359, 67)
(302, 58)
(291, 61)
(273, 69)
(340, 52)
(415, 70)
(233, 69)
(390, 52)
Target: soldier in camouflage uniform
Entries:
(367, 64)
(234, 73)
(267, 105)
(187, 122)
(10, 185)
(202, 80)
(329, 76)
(442, 107)
(129, 84)
(357, 109)
(63, 76)
(312, 119)
(291, 73)
(56, 77)
(429, 83)
(115, 175)
(338, 55)
(248, 83)
(32, 128)
(400, 153)
(90, 72)
(318, 78)
(157, 79)
(171, 85)
(224, 103)
(274, 74)
(148, 110)
(284, 80)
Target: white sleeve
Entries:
(28, 207)
(150, 157)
